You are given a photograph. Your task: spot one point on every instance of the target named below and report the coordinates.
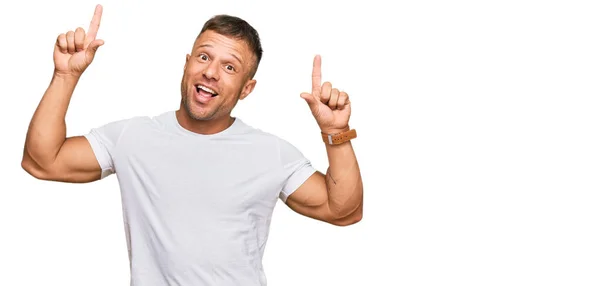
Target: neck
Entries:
(205, 127)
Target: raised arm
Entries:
(335, 197)
(48, 154)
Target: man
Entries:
(198, 186)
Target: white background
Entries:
(478, 135)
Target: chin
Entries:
(196, 111)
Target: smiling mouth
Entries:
(203, 90)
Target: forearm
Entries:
(47, 129)
(344, 181)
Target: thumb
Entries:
(310, 99)
(93, 47)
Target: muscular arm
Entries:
(48, 154)
(335, 197)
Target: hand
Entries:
(329, 106)
(74, 51)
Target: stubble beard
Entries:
(187, 105)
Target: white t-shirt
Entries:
(197, 208)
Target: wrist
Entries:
(333, 131)
(337, 136)
(66, 77)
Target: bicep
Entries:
(74, 163)
(311, 199)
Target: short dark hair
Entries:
(237, 28)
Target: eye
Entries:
(230, 68)
(203, 57)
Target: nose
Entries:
(212, 70)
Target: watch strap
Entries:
(339, 138)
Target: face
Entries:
(216, 75)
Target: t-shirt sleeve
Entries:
(296, 168)
(104, 140)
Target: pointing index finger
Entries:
(316, 76)
(95, 24)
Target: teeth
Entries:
(206, 89)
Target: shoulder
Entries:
(270, 142)
(261, 136)
(126, 121)
(114, 129)
(255, 134)
(161, 120)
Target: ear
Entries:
(248, 88)
(187, 59)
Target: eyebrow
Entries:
(210, 46)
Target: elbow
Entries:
(28, 167)
(349, 212)
(354, 219)
(33, 166)
(350, 219)
(33, 169)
